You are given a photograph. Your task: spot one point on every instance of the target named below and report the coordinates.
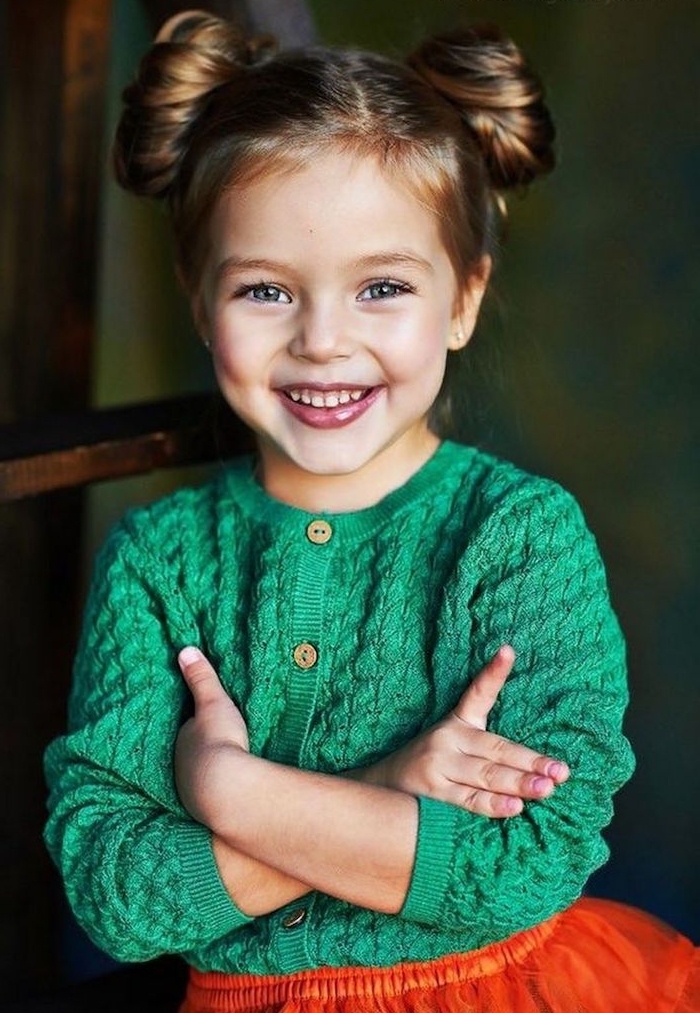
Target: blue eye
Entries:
(264, 292)
(384, 289)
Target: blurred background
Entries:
(584, 369)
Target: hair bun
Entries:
(485, 76)
(193, 54)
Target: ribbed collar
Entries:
(240, 484)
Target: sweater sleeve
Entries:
(139, 873)
(540, 587)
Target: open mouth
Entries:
(328, 407)
(326, 398)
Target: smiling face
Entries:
(329, 303)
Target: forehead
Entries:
(332, 200)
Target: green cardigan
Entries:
(402, 602)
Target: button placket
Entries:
(291, 935)
(313, 559)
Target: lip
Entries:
(328, 418)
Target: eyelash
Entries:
(248, 290)
(397, 288)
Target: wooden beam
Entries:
(66, 451)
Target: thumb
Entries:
(200, 676)
(475, 704)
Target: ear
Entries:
(201, 319)
(467, 304)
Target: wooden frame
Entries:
(73, 450)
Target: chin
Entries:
(330, 466)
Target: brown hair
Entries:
(459, 123)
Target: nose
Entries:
(321, 335)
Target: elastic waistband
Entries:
(241, 992)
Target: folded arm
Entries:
(145, 878)
(361, 843)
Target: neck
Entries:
(341, 493)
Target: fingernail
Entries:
(188, 656)
(542, 785)
(556, 770)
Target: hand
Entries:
(217, 728)
(458, 761)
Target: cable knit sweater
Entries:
(340, 640)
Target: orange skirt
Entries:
(597, 957)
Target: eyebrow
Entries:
(404, 258)
(247, 264)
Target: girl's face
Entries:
(329, 303)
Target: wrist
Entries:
(255, 888)
(237, 785)
(366, 775)
(219, 771)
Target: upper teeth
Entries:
(326, 398)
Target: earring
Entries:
(456, 340)
(207, 344)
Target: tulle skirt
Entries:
(597, 957)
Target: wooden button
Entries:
(319, 532)
(305, 655)
(294, 918)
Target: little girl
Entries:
(347, 835)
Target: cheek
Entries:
(421, 354)
(237, 352)
(232, 367)
(245, 348)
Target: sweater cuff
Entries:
(204, 883)
(433, 863)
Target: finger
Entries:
(486, 803)
(469, 771)
(511, 754)
(495, 777)
(508, 756)
(200, 676)
(481, 694)
(557, 770)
